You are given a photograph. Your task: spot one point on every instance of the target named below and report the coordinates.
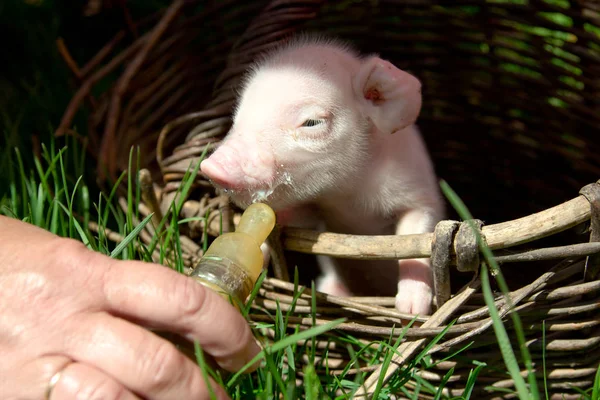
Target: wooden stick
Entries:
(149, 196)
(107, 156)
(395, 247)
(407, 349)
(66, 55)
(87, 85)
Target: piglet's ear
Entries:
(389, 96)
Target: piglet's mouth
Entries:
(244, 195)
(268, 194)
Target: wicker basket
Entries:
(511, 111)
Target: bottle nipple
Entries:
(234, 261)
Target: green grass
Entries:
(524, 391)
(52, 196)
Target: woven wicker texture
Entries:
(511, 116)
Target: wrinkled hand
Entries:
(64, 306)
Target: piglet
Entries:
(327, 138)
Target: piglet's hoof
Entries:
(414, 297)
(332, 285)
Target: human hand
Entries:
(70, 313)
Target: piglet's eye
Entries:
(313, 122)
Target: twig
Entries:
(72, 64)
(107, 153)
(87, 85)
(393, 247)
(66, 55)
(104, 51)
(552, 253)
(149, 196)
(407, 349)
(280, 268)
(342, 301)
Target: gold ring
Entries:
(54, 380)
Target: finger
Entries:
(161, 298)
(80, 381)
(33, 379)
(143, 362)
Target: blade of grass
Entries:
(175, 208)
(442, 385)
(313, 314)
(472, 379)
(311, 383)
(130, 198)
(138, 189)
(187, 184)
(52, 161)
(505, 347)
(130, 237)
(84, 197)
(23, 178)
(432, 343)
(508, 354)
(386, 363)
(38, 202)
(275, 373)
(453, 354)
(42, 175)
(179, 266)
(287, 341)
(246, 307)
(417, 391)
(203, 368)
(65, 188)
(191, 219)
(53, 158)
(82, 234)
(544, 358)
(111, 196)
(596, 389)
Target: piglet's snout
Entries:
(240, 165)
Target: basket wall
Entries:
(506, 109)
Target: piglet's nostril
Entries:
(216, 173)
(227, 175)
(239, 166)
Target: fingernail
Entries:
(255, 349)
(258, 345)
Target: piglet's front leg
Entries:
(303, 216)
(415, 287)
